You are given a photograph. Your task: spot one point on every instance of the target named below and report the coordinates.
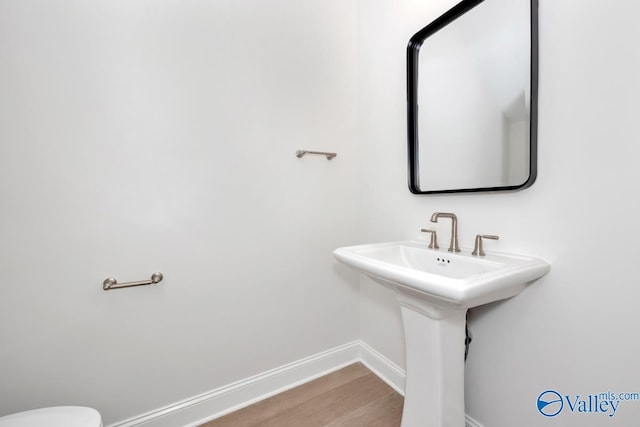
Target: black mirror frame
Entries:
(413, 50)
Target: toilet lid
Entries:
(60, 416)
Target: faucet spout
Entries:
(453, 246)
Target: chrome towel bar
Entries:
(301, 153)
(111, 283)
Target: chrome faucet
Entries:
(453, 246)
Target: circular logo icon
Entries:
(550, 403)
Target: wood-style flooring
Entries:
(350, 397)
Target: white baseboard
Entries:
(470, 422)
(385, 369)
(216, 403)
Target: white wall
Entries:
(140, 136)
(575, 329)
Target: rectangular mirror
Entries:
(472, 80)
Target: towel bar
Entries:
(111, 283)
(301, 153)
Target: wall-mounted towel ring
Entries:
(111, 283)
(329, 156)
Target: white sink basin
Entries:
(443, 278)
(434, 289)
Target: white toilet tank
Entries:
(59, 416)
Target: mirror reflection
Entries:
(473, 111)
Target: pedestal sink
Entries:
(434, 289)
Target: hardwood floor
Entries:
(350, 397)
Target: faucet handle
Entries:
(433, 244)
(478, 250)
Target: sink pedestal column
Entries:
(434, 345)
